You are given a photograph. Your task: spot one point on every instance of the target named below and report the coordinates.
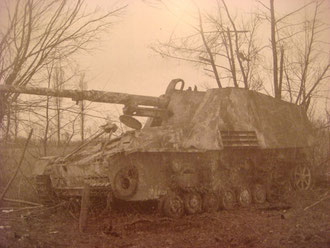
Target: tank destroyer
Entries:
(198, 150)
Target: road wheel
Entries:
(244, 197)
(192, 203)
(173, 206)
(227, 199)
(259, 193)
(126, 182)
(302, 177)
(210, 202)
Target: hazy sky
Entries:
(124, 61)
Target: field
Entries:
(302, 219)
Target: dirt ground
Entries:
(286, 224)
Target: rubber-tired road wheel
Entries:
(192, 203)
(173, 206)
(126, 182)
(244, 197)
(227, 199)
(259, 193)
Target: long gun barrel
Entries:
(89, 95)
(151, 106)
(131, 102)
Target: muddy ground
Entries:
(286, 224)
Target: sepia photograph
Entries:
(164, 123)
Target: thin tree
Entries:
(82, 86)
(39, 32)
(58, 85)
(298, 52)
(277, 89)
(208, 50)
(47, 117)
(310, 77)
(218, 44)
(239, 55)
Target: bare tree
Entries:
(303, 65)
(222, 44)
(199, 48)
(39, 32)
(208, 50)
(58, 84)
(309, 61)
(299, 51)
(313, 63)
(277, 90)
(240, 55)
(47, 118)
(82, 86)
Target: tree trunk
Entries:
(82, 86)
(82, 117)
(16, 121)
(58, 113)
(281, 73)
(7, 135)
(215, 71)
(274, 49)
(46, 126)
(233, 67)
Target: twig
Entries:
(22, 209)
(52, 207)
(326, 196)
(73, 216)
(21, 201)
(83, 145)
(18, 167)
(138, 221)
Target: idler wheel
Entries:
(244, 197)
(259, 193)
(210, 202)
(173, 206)
(126, 182)
(192, 203)
(227, 199)
(302, 177)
